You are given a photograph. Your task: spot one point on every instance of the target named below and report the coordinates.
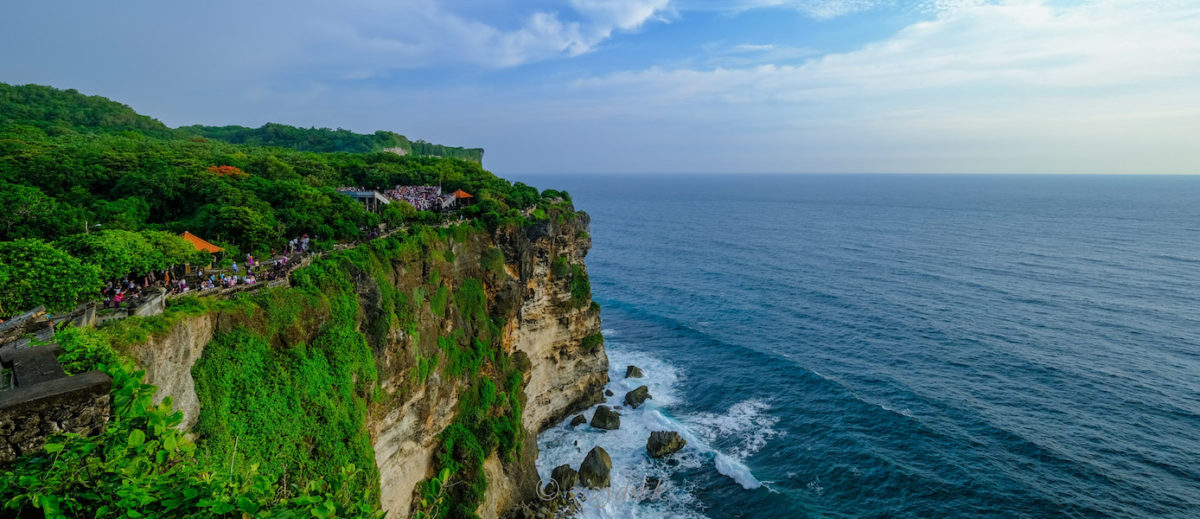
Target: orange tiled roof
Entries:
(200, 244)
(462, 194)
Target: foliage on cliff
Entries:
(327, 140)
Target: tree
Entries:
(398, 212)
(171, 250)
(33, 272)
(116, 252)
(25, 212)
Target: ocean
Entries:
(897, 346)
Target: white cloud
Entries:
(1091, 86)
(818, 9)
(425, 32)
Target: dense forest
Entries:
(72, 165)
(327, 140)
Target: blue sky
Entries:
(972, 86)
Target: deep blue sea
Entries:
(898, 346)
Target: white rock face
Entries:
(168, 361)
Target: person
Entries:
(234, 266)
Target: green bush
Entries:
(143, 465)
(560, 267)
(581, 287)
(33, 272)
(590, 342)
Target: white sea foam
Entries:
(746, 428)
(748, 424)
(736, 471)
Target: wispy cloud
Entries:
(978, 85)
(818, 9)
(1026, 44)
(420, 33)
(1086, 85)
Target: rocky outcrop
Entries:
(637, 397)
(168, 361)
(594, 472)
(564, 478)
(664, 443)
(578, 420)
(565, 377)
(605, 418)
(633, 372)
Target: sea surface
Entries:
(897, 346)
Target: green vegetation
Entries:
(90, 190)
(118, 253)
(327, 140)
(144, 466)
(71, 163)
(581, 287)
(592, 341)
(33, 272)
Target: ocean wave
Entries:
(741, 431)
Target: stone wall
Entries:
(38, 399)
(28, 415)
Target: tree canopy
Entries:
(33, 272)
(71, 163)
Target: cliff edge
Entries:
(479, 339)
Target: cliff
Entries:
(477, 341)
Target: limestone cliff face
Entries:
(545, 325)
(549, 331)
(168, 361)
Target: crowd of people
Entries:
(127, 292)
(423, 198)
(131, 291)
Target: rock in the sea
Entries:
(634, 372)
(606, 418)
(636, 397)
(578, 420)
(608, 392)
(663, 443)
(594, 471)
(564, 476)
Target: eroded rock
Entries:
(594, 472)
(606, 419)
(664, 443)
(637, 397)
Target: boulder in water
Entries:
(564, 477)
(636, 397)
(606, 418)
(594, 471)
(578, 420)
(664, 443)
(608, 392)
(633, 372)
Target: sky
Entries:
(771, 86)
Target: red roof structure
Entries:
(200, 244)
(460, 194)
